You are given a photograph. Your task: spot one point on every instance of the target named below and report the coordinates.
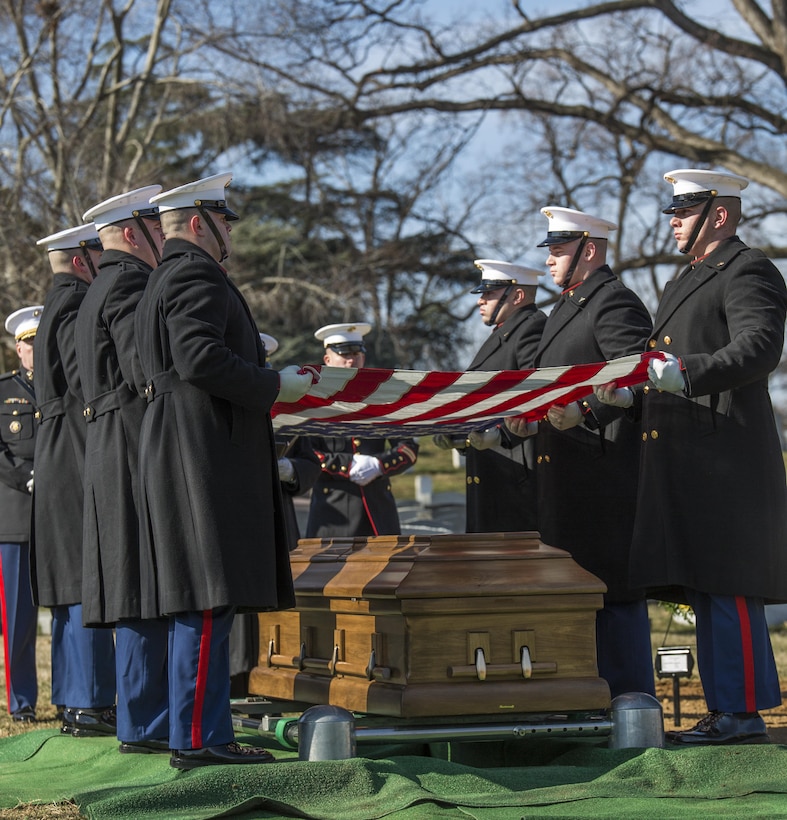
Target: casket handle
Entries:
(480, 663)
(481, 670)
(527, 664)
(333, 665)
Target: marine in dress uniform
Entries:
(112, 387)
(353, 495)
(212, 532)
(17, 445)
(711, 525)
(298, 469)
(83, 659)
(587, 452)
(500, 468)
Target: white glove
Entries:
(365, 469)
(30, 486)
(443, 441)
(286, 471)
(614, 396)
(293, 385)
(666, 374)
(520, 427)
(484, 439)
(564, 418)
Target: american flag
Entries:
(379, 403)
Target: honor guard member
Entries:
(213, 539)
(353, 496)
(500, 468)
(112, 388)
(711, 525)
(587, 452)
(298, 470)
(298, 465)
(17, 444)
(83, 659)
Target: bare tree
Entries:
(384, 149)
(604, 96)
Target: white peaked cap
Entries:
(567, 224)
(270, 343)
(123, 206)
(23, 323)
(496, 274)
(70, 238)
(209, 192)
(690, 186)
(352, 333)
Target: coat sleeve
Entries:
(622, 327)
(198, 305)
(400, 455)
(306, 465)
(119, 310)
(755, 306)
(15, 472)
(66, 342)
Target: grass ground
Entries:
(445, 479)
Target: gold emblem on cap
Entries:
(548, 214)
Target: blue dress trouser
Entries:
(83, 661)
(199, 679)
(142, 696)
(734, 653)
(623, 648)
(20, 625)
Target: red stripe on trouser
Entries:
(5, 639)
(747, 650)
(368, 512)
(202, 679)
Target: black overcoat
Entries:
(244, 636)
(339, 507)
(212, 527)
(299, 451)
(501, 481)
(712, 513)
(56, 533)
(587, 476)
(17, 446)
(111, 387)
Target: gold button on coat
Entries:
(668, 340)
(652, 344)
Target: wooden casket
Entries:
(415, 626)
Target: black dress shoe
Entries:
(723, 729)
(218, 756)
(93, 722)
(69, 715)
(25, 715)
(144, 747)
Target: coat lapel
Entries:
(570, 305)
(678, 290)
(500, 336)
